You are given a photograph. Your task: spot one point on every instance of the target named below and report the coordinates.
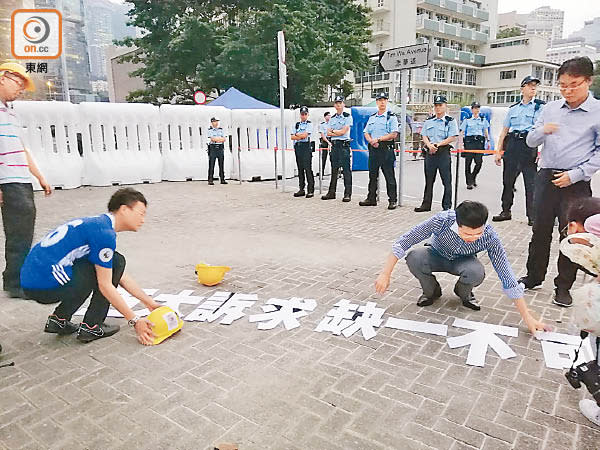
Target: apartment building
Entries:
(564, 49)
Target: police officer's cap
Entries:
(303, 109)
(381, 95)
(338, 98)
(439, 99)
(475, 105)
(529, 79)
(214, 119)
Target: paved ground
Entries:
(280, 389)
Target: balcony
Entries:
(455, 9)
(449, 31)
(381, 29)
(380, 7)
(451, 54)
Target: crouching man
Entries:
(79, 258)
(458, 235)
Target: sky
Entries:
(576, 11)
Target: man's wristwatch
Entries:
(133, 321)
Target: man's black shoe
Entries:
(88, 334)
(346, 198)
(211, 183)
(310, 195)
(562, 297)
(367, 202)
(328, 196)
(474, 183)
(471, 303)
(530, 222)
(422, 209)
(392, 205)
(16, 293)
(528, 283)
(59, 326)
(428, 301)
(469, 186)
(299, 194)
(224, 182)
(504, 215)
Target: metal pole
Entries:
(456, 181)
(282, 143)
(403, 86)
(240, 164)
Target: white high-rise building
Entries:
(546, 22)
(590, 32)
(564, 49)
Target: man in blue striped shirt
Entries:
(457, 237)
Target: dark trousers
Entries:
(73, 294)
(552, 202)
(518, 158)
(18, 218)
(216, 152)
(423, 262)
(304, 163)
(383, 158)
(324, 153)
(473, 143)
(440, 160)
(340, 157)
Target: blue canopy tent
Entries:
(234, 99)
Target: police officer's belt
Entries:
(216, 145)
(519, 134)
(478, 138)
(384, 145)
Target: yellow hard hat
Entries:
(210, 275)
(166, 323)
(19, 70)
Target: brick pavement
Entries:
(280, 389)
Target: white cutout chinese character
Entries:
(288, 312)
(413, 325)
(371, 317)
(173, 301)
(479, 340)
(338, 318)
(559, 349)
(222, 303)
(129, 299)
(347, 318)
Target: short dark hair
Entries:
(577, 67)
(125, 196)
(326, 114)
(579, 210)
(471, 214)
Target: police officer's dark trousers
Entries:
(216, 152)
(324, 153)
(382, 158)
(73, 294)
(18, 218)
(340, 157)
(304, 163)
(440, 160)
(473, 143)
(518, 158)
(552, 202)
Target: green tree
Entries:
(595, 88)
(509, 32)
(209, 45)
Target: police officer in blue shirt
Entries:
(324, 143)
(301, 138)
(518, 156)
(439, 132)
(475, 133)
(380, 132)
(339, 135)
(216, 150)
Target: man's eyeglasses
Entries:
(572, 87)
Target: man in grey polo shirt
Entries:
(570, 131)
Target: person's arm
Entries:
(537, 135)
(130, 285)
(342, 131)
(417, 234)
(511, 286)
(584, 171)
(217, 139)
(35, 171)
(500, 148)
(432, 148)
(143, 327)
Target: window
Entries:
(456, 75)
(380, 3)
(491, 98)
(501, 97)
(456, 97)
(470, 77)
(513, 96)
(439, 73)
(508, 74)
(538, 72)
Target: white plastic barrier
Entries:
(185, 142)
(57, 157)
(316, 117)
(254, 133)
(120, 143)
(498, 115)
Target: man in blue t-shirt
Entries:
(79, 258)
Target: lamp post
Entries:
(49, 84)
